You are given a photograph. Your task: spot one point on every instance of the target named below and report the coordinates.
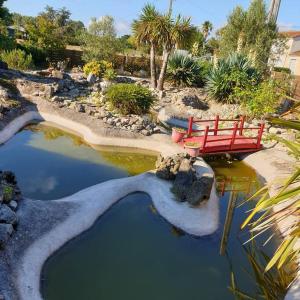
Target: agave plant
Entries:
(234, 71)
(183, 70)
(286, 203)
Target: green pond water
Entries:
(50, 163)
(131, 252)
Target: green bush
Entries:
(129, 98)
(97, 68)
(38, 55)
(235, 71)
(17, 59)
(110, 74)
(183, 70)
(260, 100)
(282, 70)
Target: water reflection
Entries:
(50, 163)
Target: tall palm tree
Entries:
(172, 34)
(207, 27)
(145, 33)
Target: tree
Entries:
(45, 34)
(172, 35)
(5, 19)
(251, 33)
(100, 40)
(207, 27)
(145, 31)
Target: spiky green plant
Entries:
(183, 70)
(271, 285)
(287, 204)
(234, 71)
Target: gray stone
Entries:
(200, 190)
(79, 107)
(6, 231)
(91, 78)
(7, 215)
(13, 205)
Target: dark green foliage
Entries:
(282, 69)
(129, 99)
(235, 71)
(38, 55)
(183, 70)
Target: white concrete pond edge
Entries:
(94, 201)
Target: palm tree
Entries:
(207, 27)
(145, 33)
(172, 34)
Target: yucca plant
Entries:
(286, 203)
(183, 70)
(234, 71)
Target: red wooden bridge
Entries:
(232, 139)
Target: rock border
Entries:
(196, 221)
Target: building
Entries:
(17, 32)
(291, 57)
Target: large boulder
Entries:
(187, 185)
(6, 231)
(7, 215)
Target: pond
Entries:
(50, 163)
(131, 252)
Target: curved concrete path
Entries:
(92, 202)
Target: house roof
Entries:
(291, 33)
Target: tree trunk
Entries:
(162, 75)
(153, 67)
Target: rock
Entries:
(274, 130)
(91, 78)
(3, 65)
(7, 215)
(6, 231)
(13, 205)
(57, 74)
(55, 99)
(105, 85)
(4, 95)
(79, 107)
(200, 190)
(48, 91)
(145, 132)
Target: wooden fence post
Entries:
(242, 120)
(260, 133)
(235, 128)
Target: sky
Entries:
(124, 11)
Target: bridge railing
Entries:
(235, 132)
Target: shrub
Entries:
(235, 71)
(17, 59)
(260, 100)
(97, 68)
(109, 74)
(183, 70)
(282, 70)
(129, 98)
(38, 55)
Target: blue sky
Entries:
(124, 11)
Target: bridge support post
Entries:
(190, 127)
(216, 127)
